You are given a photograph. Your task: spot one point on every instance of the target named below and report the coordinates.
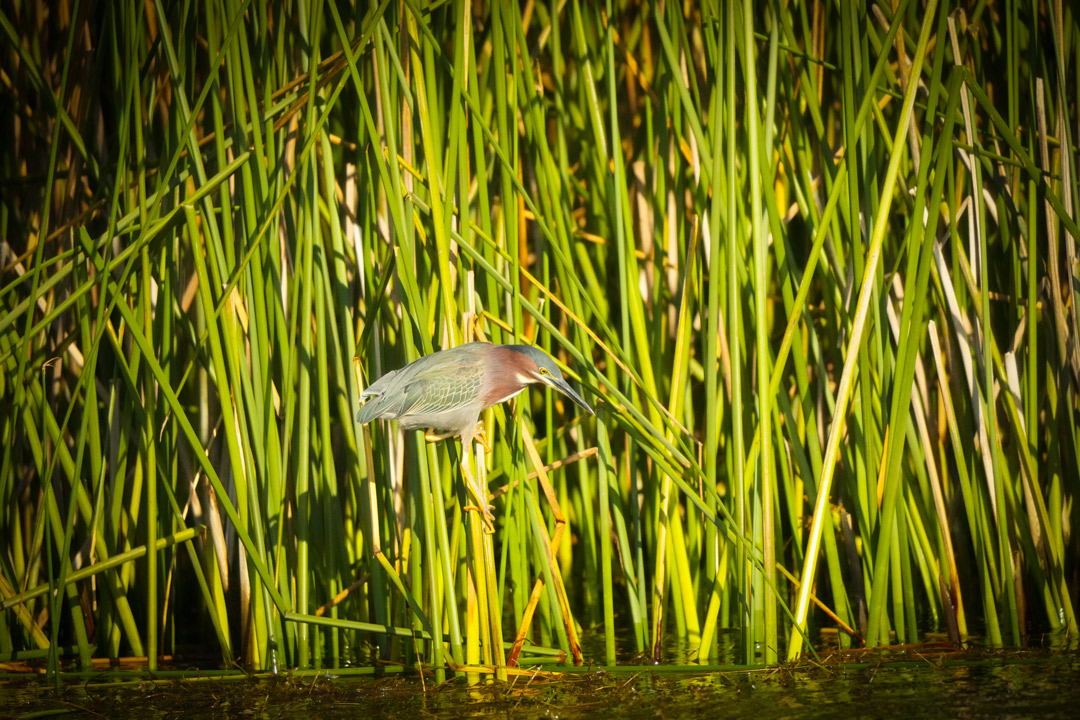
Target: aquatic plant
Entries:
(814, 264)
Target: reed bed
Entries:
(813, 263)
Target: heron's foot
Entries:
(480, 436)
(431, 436)
(485, 516)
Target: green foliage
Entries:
(815, 266)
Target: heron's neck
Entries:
(504, 380)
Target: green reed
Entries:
(814, 264)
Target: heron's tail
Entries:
(373, 399)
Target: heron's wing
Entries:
(441, 391)
(436, 383)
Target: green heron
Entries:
(448, 390)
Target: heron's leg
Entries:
(479, 435)
(481, 503)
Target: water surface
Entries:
(943, 685)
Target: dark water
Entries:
(1006, 685)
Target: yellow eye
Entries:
(544, 371)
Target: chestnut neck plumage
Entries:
(507, 376)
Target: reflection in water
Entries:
(1002, 685)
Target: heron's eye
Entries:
(544, 371)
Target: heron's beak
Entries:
(564, 387)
